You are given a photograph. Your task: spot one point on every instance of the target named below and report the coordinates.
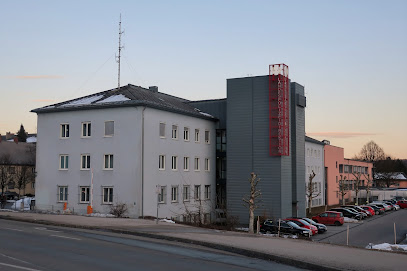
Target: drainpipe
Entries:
(142, 163)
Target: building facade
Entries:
(148, 150)
(314, 163)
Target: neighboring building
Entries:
(397, 179)
(314, 162)
(138, 146)
(338, 168)
(17, 167)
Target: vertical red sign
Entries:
(279, 110)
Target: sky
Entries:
(350, 55)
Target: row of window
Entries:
(174, 133)
(84, 194)
(353, 169)
(86, 129)
(313, 153)
(174, 163)
(186, 191)
(85, 161)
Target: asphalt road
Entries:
(376, 230)
(33, 247)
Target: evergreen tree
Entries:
(22, 134)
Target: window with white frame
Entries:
(197, 192)
(107, 195)
(207, 191)
(174, 194)
(161, 162)
(186, 163)
(62, 193)
(174, 133)
(206, 164)
(196, 164)
(186, 133)
(174, 162)
(85, 161)
(63, 162)
(109, 128)
(163, 194)
(186, 192)
(64, 130)
(162, 129)
(196, 135)
(84, 194)
(207, 137)
(108, 164)
(86, 127)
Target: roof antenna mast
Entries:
(120, 48)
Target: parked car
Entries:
(347, 213)
(378, 210)
(285, 227)
(304, 224)
(321, 227)
(369, 209)
(329, 218)
(383, 205)
(393, 205)
(356, 209)
(402, 204)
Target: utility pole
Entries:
(120, 48)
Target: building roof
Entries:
(393, 175)
(129, 95)
(309, 139)
(17, 153)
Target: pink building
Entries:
(339, 168)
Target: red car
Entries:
(402, 204)
(369, 209)
(302, 223)
(329, 218)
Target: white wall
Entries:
(314, 161)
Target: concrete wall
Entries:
(333, 156)
(314, 162)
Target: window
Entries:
(163, 194)
(162, 130)
(161, 162)
(186, 163)
(174, 194)
(62, 193)
(174, 134)
(196, 164)
(207, 137)
(341, 168)
(196, 135)
(207, 192)
(185, 193)
(107, 195)
(197, 192)
(64, 130)
(63, 162)
(85, 161)
(206, 164)
(186, 133)
(86, 126)
(221, 140)
(109, 128)
(85, 192)
(11, 184)
(174, 160)
(108, 161)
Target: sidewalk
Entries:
(300, 253)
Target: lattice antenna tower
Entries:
(120, 49)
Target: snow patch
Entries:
(31, 139)
(167, 220)
(206, 114)
(242, 229)
(83, 101)
(101, 215)
(351, 220)
(114, 98)
(388, 247)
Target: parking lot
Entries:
(376, 230)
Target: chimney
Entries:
(153, 89)
(326, 142)
(16, 140)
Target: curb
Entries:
(240, 251)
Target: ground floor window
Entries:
(107, 195)
(85, 192)
(62, 193)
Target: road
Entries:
(376, 230)
(33, 247)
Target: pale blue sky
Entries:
(350, 55)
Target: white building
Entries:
(314, 162)
(138, 146)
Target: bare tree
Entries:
(342, 188)
(386, 170)
(311, 191)
(371, 152)
(367, 188)
(24, 175)
(4, 176)
(251, 201)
